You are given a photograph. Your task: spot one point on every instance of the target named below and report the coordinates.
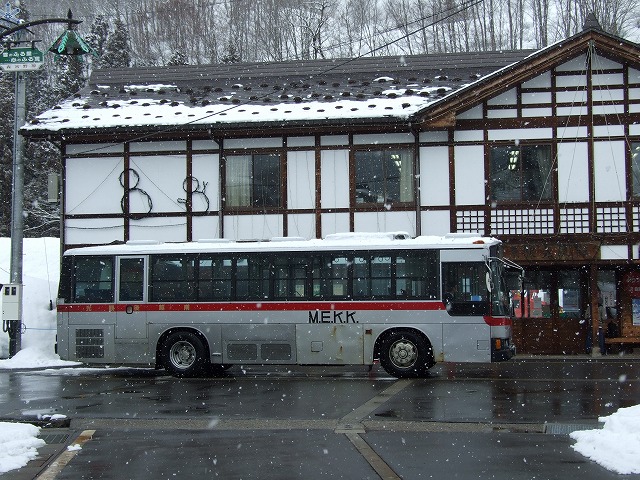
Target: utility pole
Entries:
(17, 58)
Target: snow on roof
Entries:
(368, 89)
(344, 241)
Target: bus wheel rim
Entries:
(403, 353)
(182, 354)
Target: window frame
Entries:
(548, 187)
(251, 204)
(389, 203)
(634, 160)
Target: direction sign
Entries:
(21, 59)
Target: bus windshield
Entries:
(500, 302)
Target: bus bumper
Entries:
(502, 349)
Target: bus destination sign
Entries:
(21, 59)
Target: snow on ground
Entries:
(18, 445)
(617, 445)
(40, 270)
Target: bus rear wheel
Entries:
(185, 355)
(405, 354)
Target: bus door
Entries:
(131, 289)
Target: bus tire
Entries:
(184, 354)
(405, 354)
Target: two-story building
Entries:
(537, 148)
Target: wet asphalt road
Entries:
(507, 420)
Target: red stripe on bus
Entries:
(250, 306)
(497, 321)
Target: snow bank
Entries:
(40, 271)
(617, 446)
(18, 445)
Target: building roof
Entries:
(308, 95)
(305, 93)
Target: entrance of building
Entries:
(550, 312)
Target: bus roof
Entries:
(334, 242)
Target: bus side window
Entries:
(464, 290)
(93, 280)
(131, 280)
(417, 275)
(330, 276)
(172, 279)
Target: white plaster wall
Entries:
(205, 227)
(609, 171)
(331, 140)
(576, 96)
(206, 168)
(301, 190)
(162, 177)
(468, 135)
(302, 225)
(603, 63)
(608, 109)
(434, 175)
(634, 93)
(537, 112)
(470, 175)
(385, 222)
(502, 113)
(570, 81)
(570, 133)
(574, 110)
(252, 227)
(334, 223)
(520, 134)
(93, 231)
(165, 146)
(240, 143)
(434, 137)
(573, 172)
(204, 145)
(301, 141)
(93, 186)
(577, 64)
(607, 79)
(91, 148)
(435, 222)
(608, 131)
(509, 97)
(163, 229)
(536, 97)
(614, 252)
(472, 113)
(608, 95)
(335, 179)
(541, 81)
(383, 138)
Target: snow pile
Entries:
(40, 271)
(617, 445)
(18, 445)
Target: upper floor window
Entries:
(384, 176)
(253, 181)
(521, 173)
(635, 168)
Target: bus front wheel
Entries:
(185, 355)
(405, 354)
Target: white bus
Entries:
(351, 299)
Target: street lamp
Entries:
(19, 59)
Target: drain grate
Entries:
(53, 438)
(567, 428)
